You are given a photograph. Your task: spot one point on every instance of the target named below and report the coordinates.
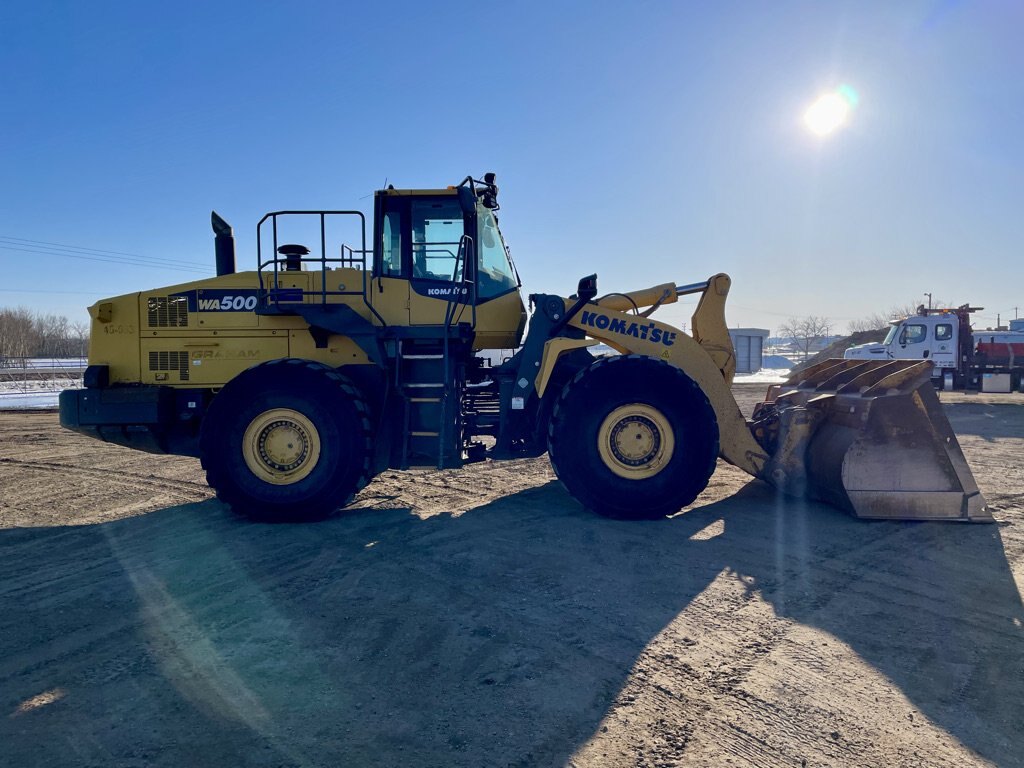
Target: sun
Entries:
(827, 114)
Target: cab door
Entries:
(912, 342)
(440, 254)
(389, 284)
(944, 342)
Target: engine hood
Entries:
(872, 351)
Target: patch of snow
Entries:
(764, 376)
(34, 393)
(14, 402)
(45, 363)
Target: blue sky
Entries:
(646, 141)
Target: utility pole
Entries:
(929, 300)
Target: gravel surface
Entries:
(482, 618)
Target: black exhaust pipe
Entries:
(223, 245)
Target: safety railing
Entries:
(32, 382)
(463, 287)
(60, 365)
(270, 270)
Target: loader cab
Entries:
(423, 237)
(436, 248)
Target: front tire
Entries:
(289, 440)
(632, 437)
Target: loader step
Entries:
(426, 375)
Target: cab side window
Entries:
(494, 271)
(391, 246)
(913, 333)
(943, 332)
(437, 230)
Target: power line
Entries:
(64, 251)
(36, 290)
(783, 314)
(82, 248)
(110, 260)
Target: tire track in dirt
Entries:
(409, 632)
(736, 721)
(132, 479)
(91, 569)
(429, 492)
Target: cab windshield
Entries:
(495, 274)
(892, 334)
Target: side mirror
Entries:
(489, 196)
(587, 288)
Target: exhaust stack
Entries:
(223, 244)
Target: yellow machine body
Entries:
(153, 338)
(867, 436)
(297, 382)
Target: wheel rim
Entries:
(636, 441)
(281, 446)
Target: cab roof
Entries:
(391, 192)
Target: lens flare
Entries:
(826, 114)
(849, 94)
(831, 111)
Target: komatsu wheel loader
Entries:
(296, 383)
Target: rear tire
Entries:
(634, 438)
(287, 441)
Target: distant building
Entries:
(749, 345)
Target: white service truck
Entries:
(962, 356)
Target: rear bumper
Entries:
(154, 419)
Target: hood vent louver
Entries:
(167, 311)
(170, 361)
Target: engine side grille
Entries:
(170, 361)
(167, 311)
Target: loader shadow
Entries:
(502, 636)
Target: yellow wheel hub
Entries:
(281, 446)
(636, 441)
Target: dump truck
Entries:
(298, 382)
(961, 357)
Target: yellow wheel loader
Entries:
(296, 383)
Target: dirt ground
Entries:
(483, 618)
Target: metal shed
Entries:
(749, 346)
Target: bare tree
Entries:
(24, 334)
(18, 337)
(79, 339)
(881, 320)
(806, 331)
(53, 334)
